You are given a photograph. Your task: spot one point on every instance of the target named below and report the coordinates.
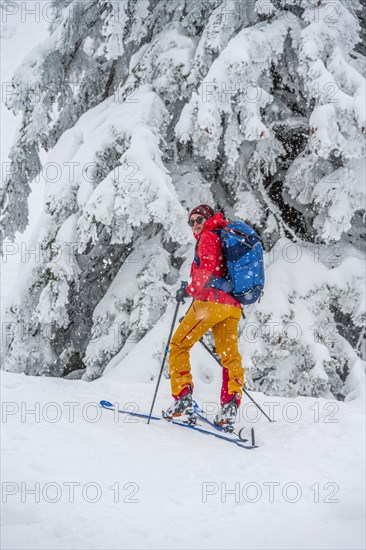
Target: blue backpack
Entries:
(243, 253)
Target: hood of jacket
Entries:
(216, 222)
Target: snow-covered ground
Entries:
(77, 476)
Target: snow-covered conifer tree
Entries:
(149, 107)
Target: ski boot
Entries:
(226, 417)
(181, 409)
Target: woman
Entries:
(213, 309)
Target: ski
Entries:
(202, 416)
(108, 405)
(198, 428)
(240, 443)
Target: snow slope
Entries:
(302, 488)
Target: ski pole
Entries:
(244, 391)
(256, 404)
(184, 284)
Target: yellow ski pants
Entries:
(223, 319)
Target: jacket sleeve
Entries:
(207, 251)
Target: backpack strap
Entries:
(196, 259)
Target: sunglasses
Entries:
(198, 220)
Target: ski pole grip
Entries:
(183, 284)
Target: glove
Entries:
(181, 294)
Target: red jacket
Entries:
(209, 252)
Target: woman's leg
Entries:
(226, 343)
(199, 319)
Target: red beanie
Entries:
(204, 210)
